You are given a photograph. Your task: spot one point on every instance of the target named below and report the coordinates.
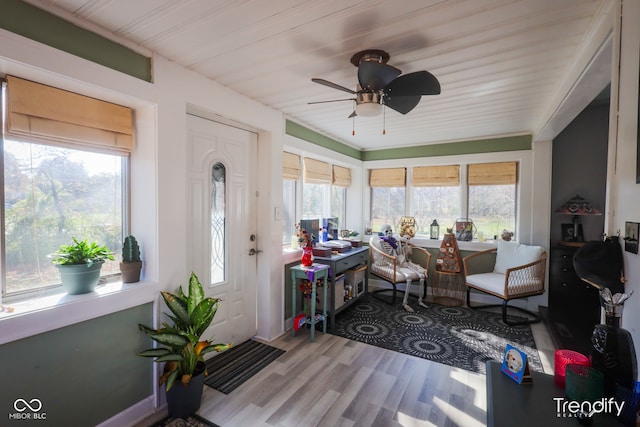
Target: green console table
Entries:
(312, 273)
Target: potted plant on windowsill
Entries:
(182, 348)
(79, 265)
(131, 263)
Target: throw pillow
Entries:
(514, 254)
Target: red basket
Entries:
(562, 359)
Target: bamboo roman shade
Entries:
(44, 114)
(341, 176)
(316, 172)
(291, 166)
(394, 177)
(436, 176)
(493, 173)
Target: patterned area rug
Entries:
(192, 421)
(455, 336)
(230, 369)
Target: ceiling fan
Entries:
(380, 84)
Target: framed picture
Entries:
(568, 233)
(631, 237)
(344, 233)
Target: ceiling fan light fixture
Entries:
(369, 109)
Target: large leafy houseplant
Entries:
(182, 348)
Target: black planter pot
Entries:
(184, 401)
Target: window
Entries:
(288, 211)
(63, 178)
(316, 189)
(492, 196)
(339, 206)
(488, 196)
(387, 197)
(341, 180)
(218, 224)
(436, 195)
(291, 174)
(51, 195)
(323, 192)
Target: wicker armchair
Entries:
(518, 272)
(398, 268)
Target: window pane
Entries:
(51, 195)
(288, 211)
(218, 226)
(313, 197)
(439, 203)
(387, 206)
(338, 206)
(493, 208)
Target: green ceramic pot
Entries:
(80, 278)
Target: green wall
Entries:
(83, 374)
(489, 145)
(36, 24)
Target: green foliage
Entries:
(81, 252)
(191, 314)
(130, 249)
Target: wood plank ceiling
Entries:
(499, 62)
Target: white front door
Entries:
(222, 163)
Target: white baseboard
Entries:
(133, 414)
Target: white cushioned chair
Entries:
(518, 272)
(398, 268)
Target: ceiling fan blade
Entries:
(352, 115)
(418, 83)
(402, 104)
(374, 76)
(333, 85)
(332, 100)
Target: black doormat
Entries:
(455, 336)
(191, 421)
(230, 369)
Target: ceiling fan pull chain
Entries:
(384, 120)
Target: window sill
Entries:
(474, 245)
(290, 255)
(44, 313)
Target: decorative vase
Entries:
(613, 353)
(307, 256)
(80, 278)
(183, 401)
(130, 271)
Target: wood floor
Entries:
(336, 382)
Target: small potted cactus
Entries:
(131, 263)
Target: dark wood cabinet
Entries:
(574, 305)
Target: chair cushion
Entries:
(402, 274)
(490, 282)
(514, 254)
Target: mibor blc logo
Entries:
(28, 410)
